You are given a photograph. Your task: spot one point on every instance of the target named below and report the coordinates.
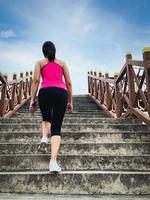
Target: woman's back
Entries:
(52, 74)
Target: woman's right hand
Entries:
(70, 107)
(32, 106)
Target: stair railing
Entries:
(127, 93)
(13, 94)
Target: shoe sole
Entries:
(54, 172)
(42, 147)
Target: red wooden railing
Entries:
(13, 94)
(127, 93)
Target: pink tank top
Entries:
(52, 75)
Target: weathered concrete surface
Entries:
(75, 127)
(77, 182)
(99, 155)
(132, 149)
(80, 137)
(75, 162)
(72, 119)
(10, 196)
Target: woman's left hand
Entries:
(32, 106)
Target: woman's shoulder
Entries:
(60, 62)
(42, 62)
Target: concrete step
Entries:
(79, 104)
(77, 116)
(36, 162)
(75, 127)
(92, 182)
(114, 152)
(82, 108)
(130, 149)
(76, 103)
(74, 114)
(82, 137)
(90, 112)
(78, 120)
(35, 196)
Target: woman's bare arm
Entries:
(68, 83)
(36, 81)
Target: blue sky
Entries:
(88, 34)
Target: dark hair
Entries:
(49, 50)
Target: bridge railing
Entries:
(127, 93)
(13, 94)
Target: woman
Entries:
(55, 96)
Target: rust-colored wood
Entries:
(147, 76)
(107, 93)
(95, 86)
(103, 107)
(141, 115)
(128, 93)
(146, 57)
(88, 82)
(20, 89)
(131, 85)
(14, 93)
(118, 106)
(3, 100)
(30, 82)
(101, 92)
(26, 83)
(92, 84)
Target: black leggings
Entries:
(53, 103)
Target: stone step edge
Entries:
(80, 124)
(76, 143)
(91, 131)
(106, 123)
(75, 172)
(81, 155)
(96, 117)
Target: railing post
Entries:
(20, 88)
(92, 85)
(128, 55)
(101, 95)
(118, 107)
(30, 83)
(88, 82)
(26, 85)
(95, 86)
(13, 92)
(108, 97)
(146, 57)
(3, 97)
(130, 78)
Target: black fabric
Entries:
(53, 103)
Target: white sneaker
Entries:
(54, 167)
(42, 147)
(44, 140)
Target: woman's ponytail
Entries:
(49, 50)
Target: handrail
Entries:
(127, 93)
(14, 93)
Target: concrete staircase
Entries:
(99, 155)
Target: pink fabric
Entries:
(52, 76)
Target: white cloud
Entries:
(84, 39)
(7, 34)
(89, 27)
(17, 57)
